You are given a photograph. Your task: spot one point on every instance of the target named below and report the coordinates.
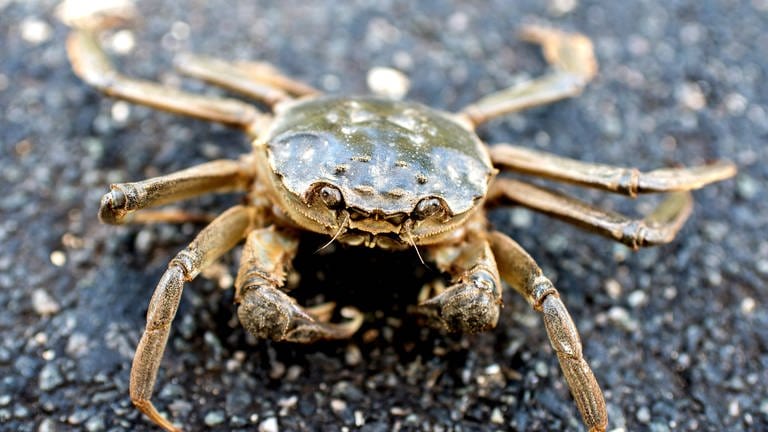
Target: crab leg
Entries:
(123, 199)
(573, 65)
(217, 238)
(265, 310)
(660, 226)
(92, 65)
(522, 273)
(627, 181)
(260, 81)
(472, 303)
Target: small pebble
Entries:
(764, 407)
(613, 288)
(521, 218)
(120, 112)
(269, 425)
(338, 406)
(214, 418)
(50, 377)
(388, 82)
(43, 303)
(58, 258)
(748, 305)
(5, 355)
(77, 345)
(20, 411)
(643, 415)
(637, 298)
(747, 187)
(359, 418)
(733, 408)
(95, 424)
(497, 417)
(352, 355)
(736, 104)
(620, 316)
(47, 425)
(288, 403)
(77, 417)
(561, 7)
(691, 96)
(144, 241)
(35, 31)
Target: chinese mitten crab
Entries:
(376, 172)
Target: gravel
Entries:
(677, 334)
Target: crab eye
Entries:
(427, 207)
(330, 196)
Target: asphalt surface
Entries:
(677, 335)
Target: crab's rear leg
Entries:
(572, 58)
(521, 272)
(92, 65)
(627, 181)
(268, 312)
(217, 238)
(659, 227)
(118, 205)
(260, 81)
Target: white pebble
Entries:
(269, 425)
(388, 82)
(43, 303)
(613, 288)
(58, 258)
(35, 31)
(637, 298)
(338, 405)
(643, 415)
(691, 96)
(497, 417)
(120, 111)
(748, 305)
(562, 7)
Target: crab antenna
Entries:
(335, 236)
(413, 243)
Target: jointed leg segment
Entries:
(472, 303)
(257, 80)
(92, 65)
(573, 65)
(522, 273)
(266, 311)
(118, 205)
(659, 227)
(217, 238)
(627, 181)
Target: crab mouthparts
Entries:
(356, 237)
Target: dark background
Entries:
(676, 334)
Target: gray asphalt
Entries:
(677, 335)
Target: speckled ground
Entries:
(677, 335)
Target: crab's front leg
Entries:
(216, 239)
(268, 312)
(471, 304)
(522, 273)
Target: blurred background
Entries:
(677, 335)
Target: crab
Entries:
(377, 172)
